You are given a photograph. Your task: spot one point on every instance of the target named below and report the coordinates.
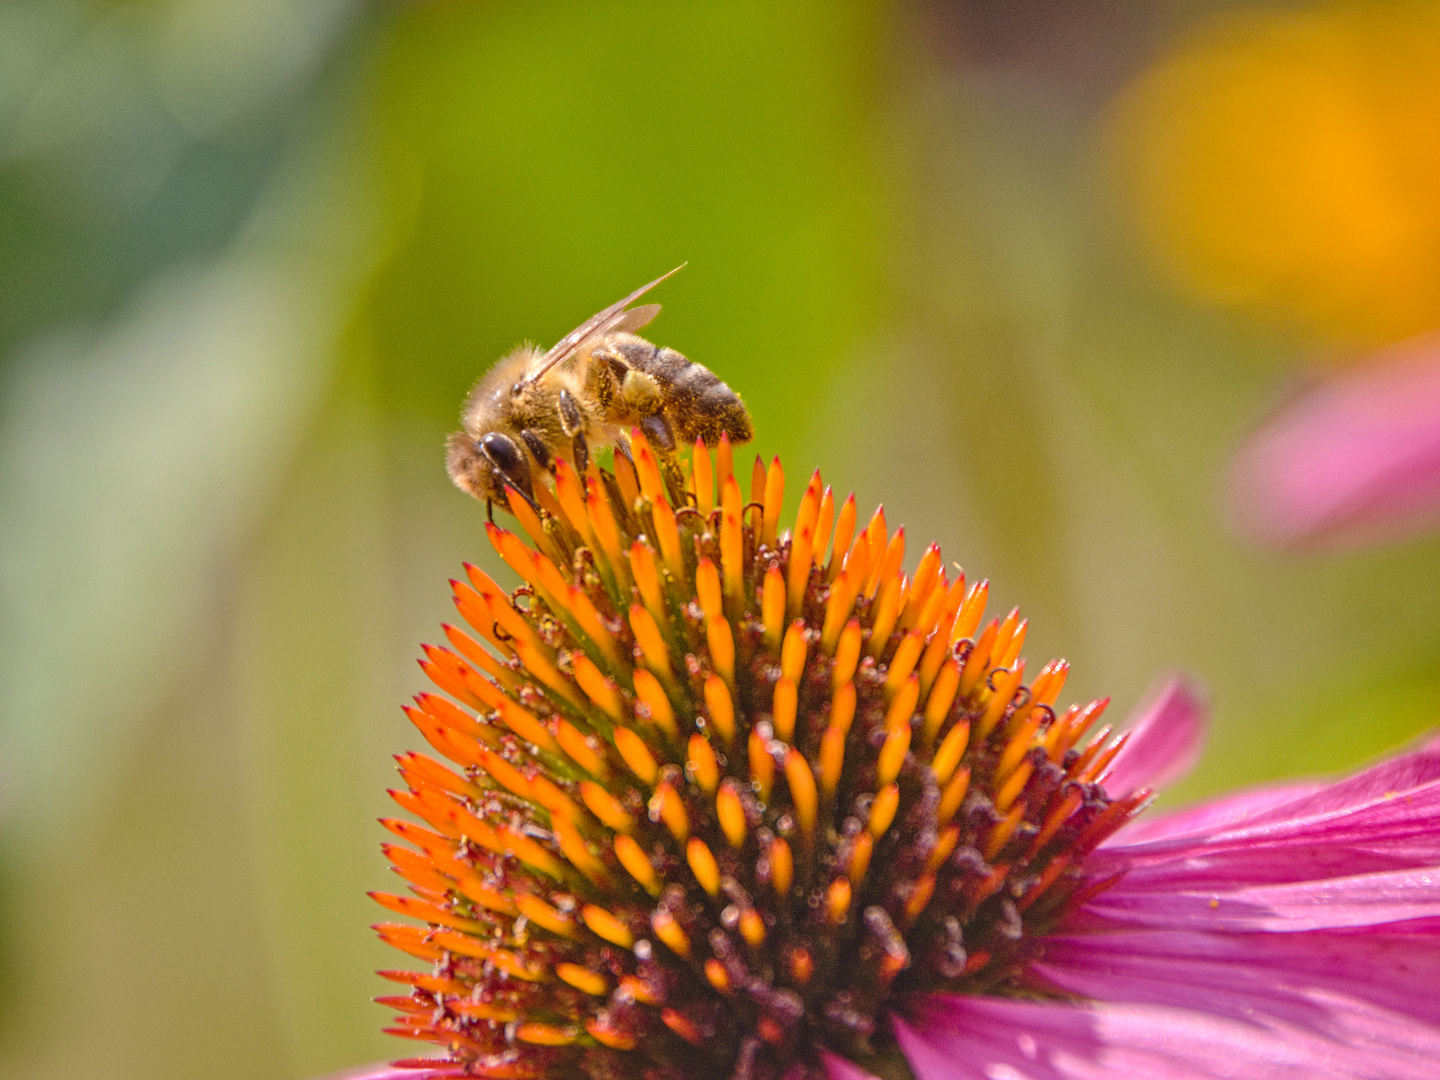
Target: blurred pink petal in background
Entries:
(1356, 460)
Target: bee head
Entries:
(484, 467)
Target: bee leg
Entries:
(572, 423)
(581, 451)
(571, 418)
(490, 511)
(657, 430)
(622, 447)
(538, 448)
(607, 374)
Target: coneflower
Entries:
(718, 793)
(724, 800)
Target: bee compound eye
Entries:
(508, 459)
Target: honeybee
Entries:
(596, 383)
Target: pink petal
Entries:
(1312, 911)
(1286, 932)
(1165, 740)
(973, 1038)
(390, 1072)
(1387, 817)
(1384, 782)
(1210, 816)
(1288, 976)
(839, 1068)
(1382, 836)
(1356, 459)
(1357, 901)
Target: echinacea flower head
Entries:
(730, 800)
(721, 796)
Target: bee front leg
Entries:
(537, 447)
(580, 450)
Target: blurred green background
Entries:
(959, 255)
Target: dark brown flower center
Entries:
(722, 801)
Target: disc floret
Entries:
(720, 796)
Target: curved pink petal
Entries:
(973, 1038)
(1166, 736)
(1356, 459)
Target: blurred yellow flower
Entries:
(1288, 162)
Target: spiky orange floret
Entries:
(713, 790)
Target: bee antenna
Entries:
(597, 323)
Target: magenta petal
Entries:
(1376, 839)
(1165, 739)
(1385, 782)
(1291, 802)
(976, 1038)
(839, 1068)
(1311, 913)
(1357, 901)
(390, 1072)
(1386, 818)
(1296, 977)
(1214, 814)
(959, 1038)
(1358, 458)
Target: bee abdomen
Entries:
(701, 406)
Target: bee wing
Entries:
(627, 321)
(631, 320)
(613, 318)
